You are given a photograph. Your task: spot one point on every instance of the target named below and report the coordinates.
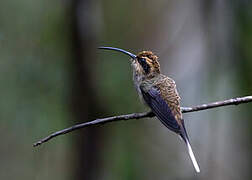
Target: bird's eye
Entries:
(144, 64)
(142, 60)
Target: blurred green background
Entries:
(52, 76)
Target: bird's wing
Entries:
(160, 108)
(163, 99)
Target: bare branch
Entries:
(233, 101)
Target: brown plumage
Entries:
(159, 93)
(151, 59)
(163, 88)
(168, 91)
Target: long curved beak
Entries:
(133, 56)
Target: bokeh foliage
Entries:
(36, 75)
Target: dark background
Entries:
(52, 76)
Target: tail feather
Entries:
(184, 136)
(194, 161)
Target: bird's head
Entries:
(144, 63)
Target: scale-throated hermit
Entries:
(159, 93)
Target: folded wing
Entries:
(160, 108)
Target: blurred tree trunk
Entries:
(84, 104)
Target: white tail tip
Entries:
(195, 164)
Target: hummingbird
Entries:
(159, 92)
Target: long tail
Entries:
(184, 136)
(195, 164)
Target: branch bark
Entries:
(233, 101)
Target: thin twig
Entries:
(233, 101)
